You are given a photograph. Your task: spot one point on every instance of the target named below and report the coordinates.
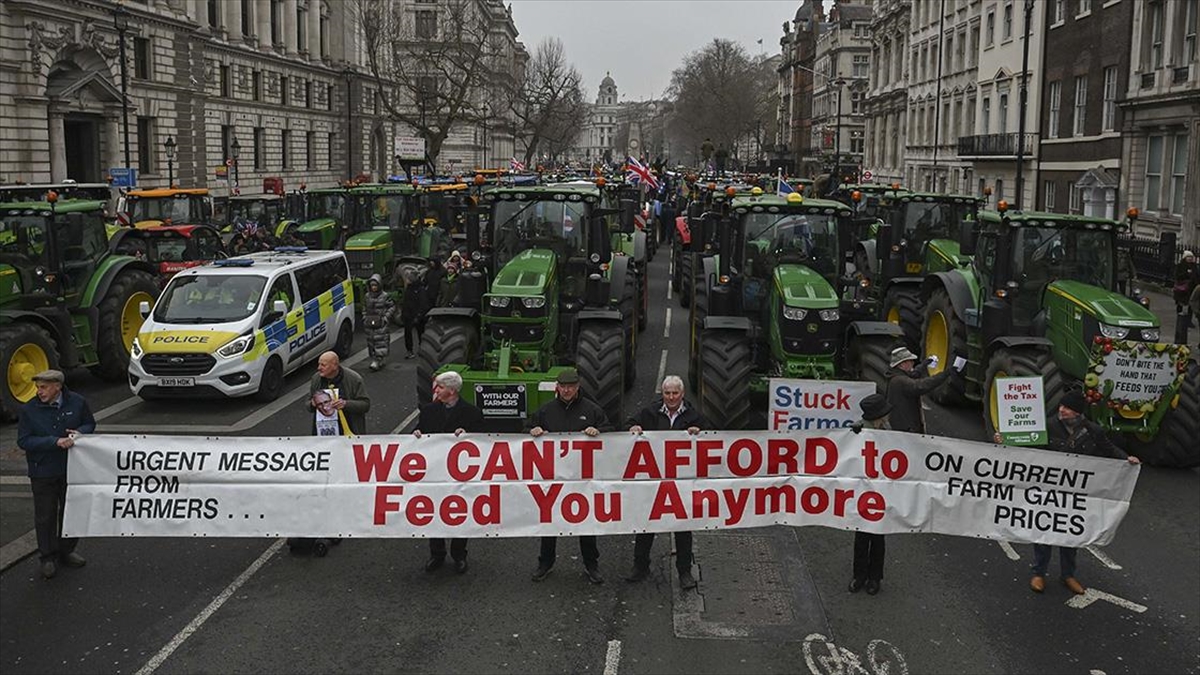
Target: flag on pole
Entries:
(515, 165)
(783, 189)
(636, 172)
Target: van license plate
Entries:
(176, 381)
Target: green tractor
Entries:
(65, 300)
(913, 235)
(326, 219)
(1038, 299)
(773, 303)
(543, 291)
(630, 241)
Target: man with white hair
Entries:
(448, 413)
(672, 413)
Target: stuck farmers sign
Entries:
(815, 404)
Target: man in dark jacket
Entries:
(569, 411)
(672, 413)
(352, 399)
(448, 413)
(1070, 431)
(907, 383)
(870, 548)
(46, 429)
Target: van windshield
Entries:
(210, 298)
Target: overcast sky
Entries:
(641, 41)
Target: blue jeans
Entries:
(1041, 560)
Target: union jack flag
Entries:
(515, 165)
(636, 172)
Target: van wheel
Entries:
(272, 381)
(345, 339)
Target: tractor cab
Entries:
(239, 213)
(165, 206)
(326, 218)
(170, 249)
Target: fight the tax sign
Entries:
(815, 404)
(1021, 410)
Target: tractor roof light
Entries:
(987, 190)
(724, 279)
(479, 179)
(730, 191)
(856, 196)
(51, 196)
(795, 198)
(756, 191)
(601, 182)
(712, 186)
(1002, 206)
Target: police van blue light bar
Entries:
(291, 249)
(233, 262)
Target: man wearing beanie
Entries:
(1071, 431)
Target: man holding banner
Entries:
(672, 414)
(569, 412)
(869, 548)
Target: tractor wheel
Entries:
(725, 366)
(676, 265)
(643, 299)
(686, 262)
(944, 336)
(868, 359)
(26, 349)
(695, 322)
(1021, 362)
(599, 358)
(1176, 446)
(629, 320)
(902, 306)
(120, 322)
(446, 340)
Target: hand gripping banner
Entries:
(568, 484)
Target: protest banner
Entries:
(567, 484)
(1021, 410)
(815, 404)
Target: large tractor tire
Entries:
(120, 322)
(629, 305)
(26, 349)
(686, 262)
(643, 299)
(902, 306)
(944, 335)
(446, 340)
(699, 311)
(599, 358)
(1021, 362)
(867, 359)
(725, 367)
(1176, 444)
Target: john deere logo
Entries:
(812, 327)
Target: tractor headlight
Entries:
(533, 303)
(830, 315)
(794, 313)
(1150, 334)
(236, 346)
(499, 301)
(1114, 332)
(136, 351)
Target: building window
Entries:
(856, 143)
(141, 58)
(856, 99)
(1085, 7)
(1048, 192)
(256, 85)
(276, 20)
(990, 33)
(258, 148)
(1055, 108)
(301, 29)
(1002, 125)
(226, 142)
(973, 55)
(226, 82)
(310, 143)
(1008, 20)
(948, 53)
(308, 93)
(145, 145)
(1074, 199)
(285, 145)
(1110, 98)
(330, 142)
(247, 24)
(214, 17)
(1178, 173)
(999, 189)
(986, 114)
(1191, 9)
(329, 97)
(323, 25)
(284, 93)
(862, 63)
(1154, 34)
(426, 25)
(1060, 11)
(1080, 106)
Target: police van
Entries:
(235, 327)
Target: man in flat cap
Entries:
(46, 430)
(569, 411)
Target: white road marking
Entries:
(613, 658)
(1103, 558)
(667, 326)
(194, 625)
(662, 372)
(117, 407)
(1009, 550)
(1092, 595)
(407, 421)
(668, 291)
(16, 550)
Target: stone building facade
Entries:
(842, 63)
(886, 101)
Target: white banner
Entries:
(801, 405)
(565, 484)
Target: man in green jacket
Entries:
(352, 400)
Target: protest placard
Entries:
(1021, 410)
(815, 404)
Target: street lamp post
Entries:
(837, 139)
(121, 23)
(235, 149)
(170, 146)
(1024, 104)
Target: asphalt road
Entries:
(770, 600)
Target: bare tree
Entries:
(719, 93)
(549, 105)
(432, 66)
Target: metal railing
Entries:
(995, 145)
(1154, 259)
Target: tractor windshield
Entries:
(211, 298)
(23, 240)
(934, 220)
(557, 225)
(177, 209)
(809, 239)
(384, 212)
(1044, 254)
(326, 205)
(264, 214)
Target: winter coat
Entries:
(654, 418)
(1089, 439)
(1125, 268)
(433, 287)
(904, 392)
(1185, 281)
(39, 427)
(350, 388)
(438, 418)
(412, 301)
(378, 308)
(577, 415)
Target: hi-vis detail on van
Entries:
(237, 326)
